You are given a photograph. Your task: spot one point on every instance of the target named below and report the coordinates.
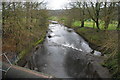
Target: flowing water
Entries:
(61, 54)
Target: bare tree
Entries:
(3, 16)
(118, 27)
(108, 13)
(94, 11)
(78, 8)
(19, 20)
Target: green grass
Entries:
(112, 26)
(76, 23)
(38, 42)
(53, 18)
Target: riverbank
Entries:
(23, 57)
(16, 50)
(105, 41)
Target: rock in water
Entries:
(49, 36)
(97, 53)
(86, 47)
(69, 30)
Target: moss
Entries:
(39, 41)
(24, 52)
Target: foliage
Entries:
(53, 18)
(24, 23)
(76, 23)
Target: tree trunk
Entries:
(97, 14)
(3, 13)
(83, 18)
(97, 24)
(14, 11)
(93, 24)
(82, 23)
(118, 27)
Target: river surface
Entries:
(60, 54)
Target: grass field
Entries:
(112, 26)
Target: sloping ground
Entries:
(107, 43)
(19, 42)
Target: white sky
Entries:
(61, 4)
(56, 4)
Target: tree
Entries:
(83, 14)
(94, 11)
(22, 22)
(118, 27)
(108, 13)
(79, 10)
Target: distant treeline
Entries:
(107, 12)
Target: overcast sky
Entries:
(61, 4)
(56, 4)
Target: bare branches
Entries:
(95, 11)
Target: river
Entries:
(62, 54)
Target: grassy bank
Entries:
(107, 43)
(27, 42)
(21, 38)
(21, 58)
